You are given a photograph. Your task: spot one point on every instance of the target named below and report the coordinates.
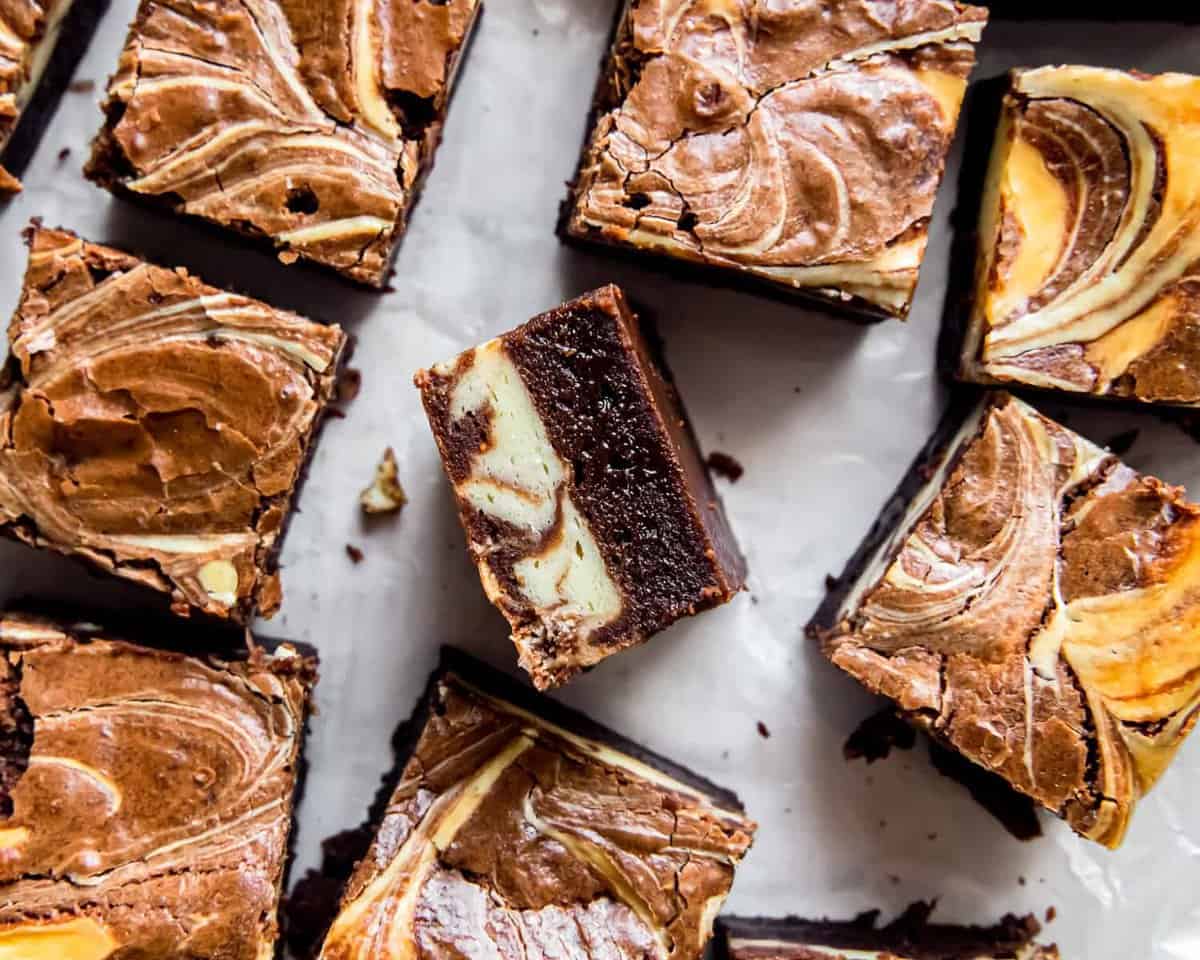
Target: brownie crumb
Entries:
(354, 553)
(82, 86)
(349, 384)
(876, 736)
(1122, 443)
(384, 495)
(763, 731)
(1016, 812)
(1021, 881)
(63, 154)
(724, 465)
(1051, 914)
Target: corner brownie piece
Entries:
(1086, 275)
(1035, 605)
(909, 937)
(155, 426)
(306, 124)
(584, 499)
(147, 796)
(523, 827)
(41, 41)
(797, 148)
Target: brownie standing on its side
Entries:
(1034, 604)
(1086, 276)
(585, 502)
(147, 796)
(155, 426)
(909, 937)
(307, 124)
(794, 146)
(522, 827)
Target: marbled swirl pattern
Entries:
(22, 26)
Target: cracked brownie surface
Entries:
(306, 124)
(511, 834)
(155, 426)
(798, 143)
(152, 798)
(1038, 611)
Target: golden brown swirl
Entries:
(511, 834)
(1043, 617)
(153, 814)
(307, 124)
(801, 142)
(1089, 263)
(157, 426)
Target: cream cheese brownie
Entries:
(1088, 271)
(157, 427)
(793, 146)
(585, 502)
(519, 828)
(147, 796)
(1034, 604)
(306, 124)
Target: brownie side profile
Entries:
(157, 427)
(796, 149)
(585, 502)
(151, 806)
(519, 826)
(1036, 609)
(305, 125)
(1085, 277)
(909, 937)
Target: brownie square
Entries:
(586, 506)
(305, 124)
(797, 149)
(1034, 604)
(147, 795)
(910, 936)
(523, 826)
(1085, 279)
(41, 42)
(155, 426)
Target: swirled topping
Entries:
(157, 426)
(308, 124)
(1089, 265)
(511, 837)
(799, 142)
(1043, 617)
(153, 811)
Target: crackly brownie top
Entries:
(22, 26)
(1088, 279)
(1043, 616)
(146, 796)
(156, 425)
(510, 832)
(307, 123)
(781, 136)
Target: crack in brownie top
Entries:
(308, 123)
(803, 142)
(157, 426)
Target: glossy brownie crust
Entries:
(306, 125)
(909, 937)
(615, 531)
(157, 427)
(798, 150)
(147, 795)
(1036, 608)
(524, 827)
(1085, 279)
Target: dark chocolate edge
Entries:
(75, 37)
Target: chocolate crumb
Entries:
(876, 736)
(82, 86)
(763, 731)
(1015, 811)
(63, 154)
(349, 384)
(354, 553)
(1051, 914)
(384, 495)
(724, 465)
(1021, 881)
(1122, 443)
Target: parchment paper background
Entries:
(825, 417)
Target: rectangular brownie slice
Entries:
(155, 426)
(523, 827)
(41, 41)
(1086, 273)
(145, 795)
(305, 124)
(797, 149)
(909, 937)
(585, 503)
(1034, 604)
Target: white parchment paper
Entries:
(825, 416)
